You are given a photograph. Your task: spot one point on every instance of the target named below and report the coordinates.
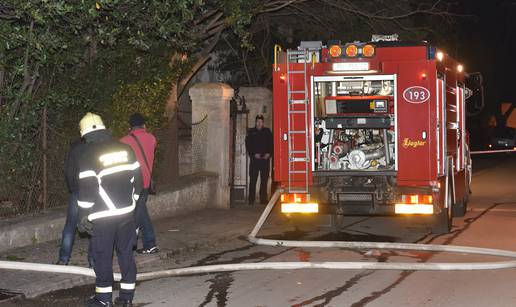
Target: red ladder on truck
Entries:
(298, 123)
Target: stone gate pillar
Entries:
(211, 134)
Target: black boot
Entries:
(94, 302)
(122, 302)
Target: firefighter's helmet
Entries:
(91, 122)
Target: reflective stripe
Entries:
(108, 213)
(85, 204)
(103, 289)
(127, 286)
(106, 198)
(112, 209)
(119, 168)
(88, 173)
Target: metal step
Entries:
(298, 159)
(296, 72)
(297, 190)
(298, 101)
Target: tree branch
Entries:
(26, 75)
(277, 5)
(204, 56)
(432, 10)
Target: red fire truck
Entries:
(375, 128)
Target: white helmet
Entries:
(91, 122)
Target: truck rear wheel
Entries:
(442, 222)
(460, 208)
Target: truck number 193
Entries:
(416, 94)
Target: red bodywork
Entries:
(426, 133)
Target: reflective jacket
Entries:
(109, 177)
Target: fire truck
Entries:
(371, 128)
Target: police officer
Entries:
(259, 147)
(109, 184)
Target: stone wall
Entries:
(187, 194)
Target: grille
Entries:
(355, 197)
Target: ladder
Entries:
(298, 134)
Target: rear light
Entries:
(351, 51)
(368, 51)
(416, 199)
(300, 208)
(414, 209)
(414, 204)
(295, 198)
(335, 51)
(298, 203)
(439, 55)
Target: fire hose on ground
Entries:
(357, 265)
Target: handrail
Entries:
(276, 49)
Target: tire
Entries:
(442, 222)
(460, 208)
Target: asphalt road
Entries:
(490, 222)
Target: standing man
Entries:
(71, 177)
(259, 147)
(109, 185)
(143, 144)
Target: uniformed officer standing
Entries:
(259, 147)
(109, 184)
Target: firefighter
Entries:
(259, 147)
(109, 184)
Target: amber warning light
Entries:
(351, 51)
(335, 51)
(368, 51)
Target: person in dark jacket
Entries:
(259, 147)
(71, 178)
(109, 184)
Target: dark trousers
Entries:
(65, 252)
(109, 233)
(143, 221)
(258, 166)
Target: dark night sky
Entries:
(487, 43)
